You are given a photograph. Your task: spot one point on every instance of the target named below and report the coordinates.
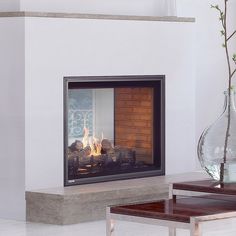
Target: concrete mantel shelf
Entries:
(96, 16)
(69, 205)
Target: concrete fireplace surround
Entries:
(50, 46)
(83, 203)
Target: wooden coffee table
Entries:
(186, 212)
(209, 186)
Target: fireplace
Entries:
(114, 128)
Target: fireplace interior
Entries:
(114, 128)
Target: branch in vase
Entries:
(231, 35)
(223, 20)
(234, 58)
(221, 15)
(233, 73)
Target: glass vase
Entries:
(217, 144)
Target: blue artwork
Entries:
(80, 112)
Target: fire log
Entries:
(126, 155)
(81, 157)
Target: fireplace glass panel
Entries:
(110, 130)
(90, 115)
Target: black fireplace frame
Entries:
(156, 81)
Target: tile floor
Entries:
(18, 228)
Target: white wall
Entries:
(12, 129)
(9, 5)
(133, 7)
(64, 47)
(211, 68)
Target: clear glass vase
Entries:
(217, 144)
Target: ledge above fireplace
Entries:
(95, 16)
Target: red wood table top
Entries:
(180, 210)
(207, 186)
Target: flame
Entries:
(85, 139)
(93, 142)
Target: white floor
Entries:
(18, 228)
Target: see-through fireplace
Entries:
(114, 128)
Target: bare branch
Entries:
(223, 20)
(221, 13)
(233, 73)
(224, 16)
(222, 170)
(231, 35)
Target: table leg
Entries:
(110, 224)
(195, 229)
(172, 231)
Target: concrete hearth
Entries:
(82, 203)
